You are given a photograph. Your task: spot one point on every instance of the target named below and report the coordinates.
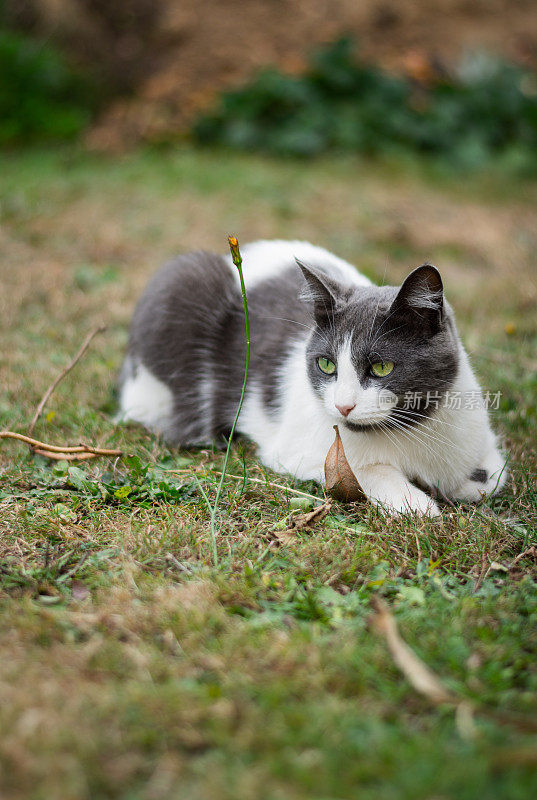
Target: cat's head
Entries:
(380, 356)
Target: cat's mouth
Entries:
(397, 419)
(374, 422)
(367, 426)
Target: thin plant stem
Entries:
(275, 486)
(204, 494)
(42, 403)
(237, 260)
(250, 479)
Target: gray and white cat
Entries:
(327, 347)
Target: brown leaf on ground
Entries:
(303, 522)
(341, 481)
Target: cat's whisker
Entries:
(378, 303)
(424, 440)
(286, 319)
(374, 320)
(434, 427)
(423, 425)
(417, 429)
(399, 327)
(417, 439)
(426, 445)
(386, 430)
(434, 420)
(425, 434)
(303, 325)
(390, 315)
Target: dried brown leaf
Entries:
(307, 520)
(341, 481)
(303, 522)
(285, 537)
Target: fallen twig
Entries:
(428, 684)
(530, 551)
(413, 668)
(81, 452)
(86, 343)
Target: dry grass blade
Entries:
(261, 482)
(413, 668)
(85, 344)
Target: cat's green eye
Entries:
(382, 368)
(326, 366)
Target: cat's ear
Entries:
(324, 293)
(421, 298)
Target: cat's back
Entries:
(199, 289)
(183, 290)
(185, 363)
(181, 321)
(268, 259)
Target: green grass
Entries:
(132, 667)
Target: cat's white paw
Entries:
(392, 493)
(487, 479)
(409, 501)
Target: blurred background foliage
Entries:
(42, 97)
(118, 74)
(487, 107)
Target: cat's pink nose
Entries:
(345, 410)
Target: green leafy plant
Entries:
(486, 109)
(41, 97)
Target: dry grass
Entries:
(129, 666)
